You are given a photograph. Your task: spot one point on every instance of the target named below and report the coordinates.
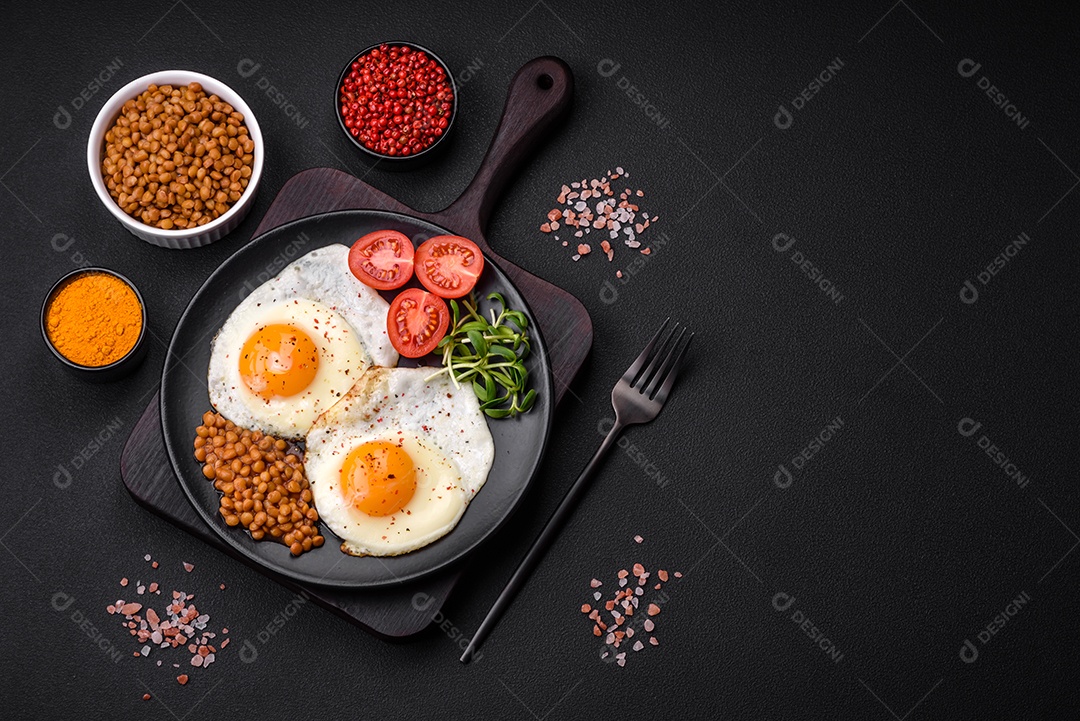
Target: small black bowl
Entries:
(398, 162)
(112, 371)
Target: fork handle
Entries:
(543, 542)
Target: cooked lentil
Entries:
(263, 485)
(176, 157)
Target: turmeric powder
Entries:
(94, 319)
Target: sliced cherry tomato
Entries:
(448, 265)
(416, 322)
(382, 260)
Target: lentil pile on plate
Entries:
(263, 485)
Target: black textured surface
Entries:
(900, 539)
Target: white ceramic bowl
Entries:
(187, 237)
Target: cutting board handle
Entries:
(539, 95)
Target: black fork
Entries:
(638, 397)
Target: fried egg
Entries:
(296, 344)
(393, 465)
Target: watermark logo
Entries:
(969, 293)
(63, 117)
(422, 602)
(279, 261)
(249, 652)
(635, 454)
(609, 291)
(247, 67)
(782, 243)
(969, 652)
(608, 68)
(62, 477)
(61, 243)
(968, 69)
(783, 478)
(785, 118)
(968, 427)
(471, 70)
(62, 601)
(784, 602)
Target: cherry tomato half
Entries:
(448, 265)
(416, 322)
(382, 260)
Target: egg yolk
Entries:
(378, 478)
(278, 360)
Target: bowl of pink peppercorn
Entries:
(396, 102)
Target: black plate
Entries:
(519, 442)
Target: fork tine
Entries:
(672, 373)
(657, 358)
(671, 349)
(636, 366)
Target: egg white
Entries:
(341, 360)
(316, 287)
(432, 512)
(441, 424)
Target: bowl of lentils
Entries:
(176, 157)
(396, 102)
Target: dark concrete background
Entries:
(899, 540)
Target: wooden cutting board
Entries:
(539, 96)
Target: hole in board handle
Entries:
(545, 81)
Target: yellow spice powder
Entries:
(94, 319)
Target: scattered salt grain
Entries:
(621, 608)
(178, 626)
(616, 215)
